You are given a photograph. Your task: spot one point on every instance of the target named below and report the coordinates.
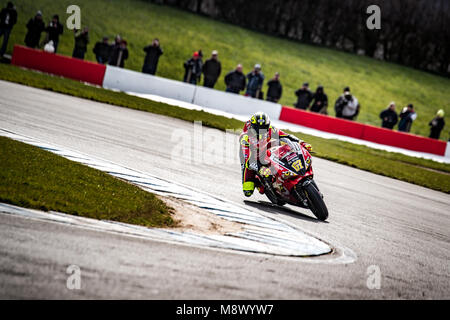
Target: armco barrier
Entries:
(234, 103)
(322, 123)
(132, 81)
(363, 131)
(57, 64)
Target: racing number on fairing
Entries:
(297, 165)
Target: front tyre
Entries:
(315, 201)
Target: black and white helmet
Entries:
(260, 122)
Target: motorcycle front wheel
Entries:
(315, 201)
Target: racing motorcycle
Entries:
(290, 179)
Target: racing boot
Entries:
(248, 187)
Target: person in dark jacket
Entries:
(81, 42)
(347, 105)
(153, 52)
(35, 27)
(235, 80)
(304, 97)
(193, 69)
(389, 117)
(319, 101)
(437, 124)
(54, 30)
(8, 18)
(211, 70)
(407, 116)
(255, 82)
(102, 50)
(119, 53)
(275, 88)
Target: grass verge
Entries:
(427, 173)
(34, 178)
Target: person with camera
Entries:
(54, 30)
(81, 42)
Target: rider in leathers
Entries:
(257, 132)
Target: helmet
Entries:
(260, 122)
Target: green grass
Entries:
(374, 83)
(427, 173)
(34, 178)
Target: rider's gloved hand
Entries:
(307, 146)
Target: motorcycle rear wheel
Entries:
(315, 201)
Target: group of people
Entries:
(389, 119)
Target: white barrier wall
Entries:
(132, 81)
(234, 103)
(447, 150)
(128, 80)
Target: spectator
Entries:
(8, 18)
(35, 27)
(235, 80)
(54, 30)
(389, 116)
(81, 42)
(193, 69)
(407, 116)
(304, 97)
(255, 82)
(102, 50)
(119, 53)
(153, 52)
(347, 106)
(275, 88)
(211, 70)
(319, 101)
(437, 124)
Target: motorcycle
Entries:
(291, 178)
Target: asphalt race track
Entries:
(400, 228)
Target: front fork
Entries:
(300, 195)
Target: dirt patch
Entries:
(191, 218)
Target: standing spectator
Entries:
(235, 80)
(389, 116)
(407, 116)
(275, 88)
(54, 30)
(102, 50)
(347, 106)
(35, 27)
(255, 82)
(437, 124)
(153, 52)
(304, 97)
(8, 18)
(319, 101)
(119, 53)
(193, 69)
(81, 42)
(211, 70)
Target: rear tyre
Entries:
(315, 202)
